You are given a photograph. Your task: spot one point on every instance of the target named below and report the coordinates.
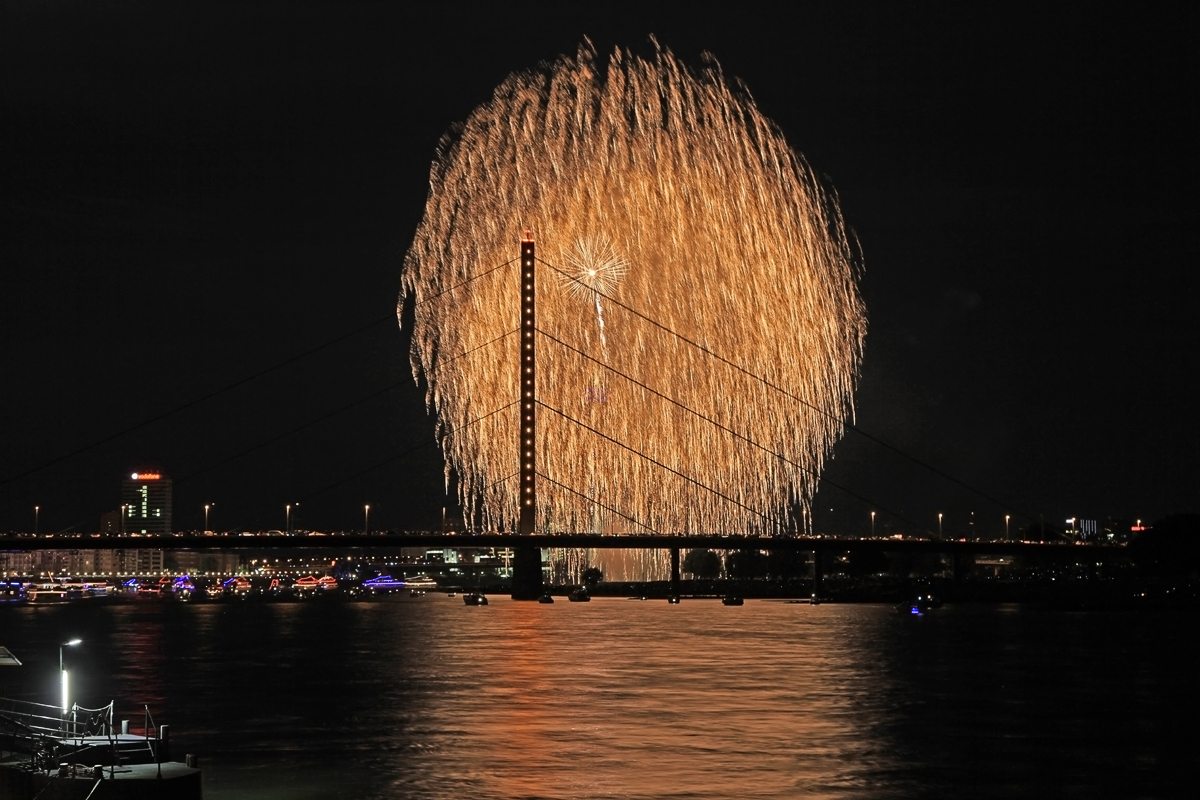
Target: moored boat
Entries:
(81, 753)
(52, 592)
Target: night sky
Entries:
(196, 193)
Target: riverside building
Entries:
(146, 503)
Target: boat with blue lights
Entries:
(919, 605)
(384, 584)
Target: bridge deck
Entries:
(564, 540)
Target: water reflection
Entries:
(425, 697)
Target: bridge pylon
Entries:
(527, 561)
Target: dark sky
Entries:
(194, 193)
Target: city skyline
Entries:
(226, 198)
(123, 520)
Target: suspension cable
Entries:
(661, 465)
(401, 455)
(729, 430)
(598, 503)
(341, 410)
(236, 384)
(802, 401)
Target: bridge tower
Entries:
(527, 561)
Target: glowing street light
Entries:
(207, 506)
(872, 524)
(939, 525)
(1006, 536)
(36, 514)
(366, 520)
(63, 673)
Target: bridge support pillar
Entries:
(527, 573)
(674, 572)
(956, 567)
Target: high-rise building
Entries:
(146, 503)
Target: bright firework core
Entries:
(593, 267)
(652, 187)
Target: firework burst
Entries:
(659, 189)
(595, 270)
(595, 267)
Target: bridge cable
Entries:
(802, 401)
(334, 413)
(732, 432)
(598, 503)
(661, 465)
(235, 385)
(397, 457)
(472, 279)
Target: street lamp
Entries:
(1006, 536)
(288, 518)
(872, 524)
(207, 506)
(36, 513)
(939, 525)
(366, 520)
(63, 673)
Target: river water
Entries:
(428, 698)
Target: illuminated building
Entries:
(146, 503)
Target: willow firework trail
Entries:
(730, 242)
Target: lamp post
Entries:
(1006, 536)
(366, 519)
(207, 506)
(939, 525)
(63, 674)
(872, 524)
(287, 515)
(37, 510)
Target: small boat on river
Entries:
(919, 605)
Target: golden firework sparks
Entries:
(665, 190)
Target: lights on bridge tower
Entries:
(527, 561)
(528, 375)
